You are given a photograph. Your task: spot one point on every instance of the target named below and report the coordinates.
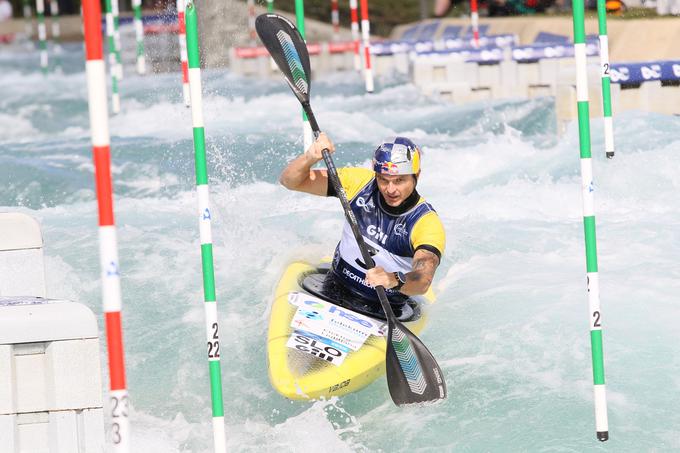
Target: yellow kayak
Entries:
(304, 366)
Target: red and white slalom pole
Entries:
(335, 19)
(355, 33)
(366, 40)
(251, 22)
(181, 21)
(474, 17)
(95, 70)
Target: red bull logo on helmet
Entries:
(398, 157)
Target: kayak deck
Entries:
(301, 376)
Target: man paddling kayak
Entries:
(404, 233)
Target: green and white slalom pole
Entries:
(606, 82)
(139, 35)
(28, 17)
(115, 97)
(307, 133)
(56, 30)
(204, 218)
(270, 10)
(116, 38)
(600, 396)
(42, 33)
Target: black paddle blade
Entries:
(413, 375)
(289, 51)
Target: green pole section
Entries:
(606, 82)
(139, 35)
(204, 224)
(42, 34)
(270, 6)
(115, 97)
(307, 134)
(601, 423)
(116, 38)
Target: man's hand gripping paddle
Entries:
(413, 375)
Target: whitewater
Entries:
(510, 328)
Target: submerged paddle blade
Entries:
(289, 51)
(413, 375)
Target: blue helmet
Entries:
(397, 157)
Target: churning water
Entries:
(510, 328)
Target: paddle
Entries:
(413, 375)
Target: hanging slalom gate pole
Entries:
(95, 70)
(474, 18)
(42, 33)
(270, 9)
(54, 15)
(181, 20)
(601, 424)
(251, 22)
(28, 16)
(115, 97)
(606, 82)
(204, 215)
(139, 35)
(116, 38)
(355, 33)
(335, 19)
(366, 39)
(307, 133)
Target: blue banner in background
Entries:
(633, 73)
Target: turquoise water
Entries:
(510, 329)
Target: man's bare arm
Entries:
(424, 266)
(298, 174)
(418, 281)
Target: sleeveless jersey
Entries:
(391, 238)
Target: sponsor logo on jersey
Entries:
(377, 234)
(361, 202)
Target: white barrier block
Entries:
(50, 382)
(548, 69)
(509, 86)
(528, 74)
(22, 269)
(471, 74)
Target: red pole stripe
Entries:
(114, 340)
(93, 30)
(102, 170)
(367, 53)
(182, 24)
(185, 72)
(364, 9)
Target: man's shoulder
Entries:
(354, 179)
(356, 172)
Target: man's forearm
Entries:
(297, 172)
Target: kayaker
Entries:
(404, 232)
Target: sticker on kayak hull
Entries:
(304, 343)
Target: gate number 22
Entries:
(214, 346)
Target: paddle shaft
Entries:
(349, 215)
